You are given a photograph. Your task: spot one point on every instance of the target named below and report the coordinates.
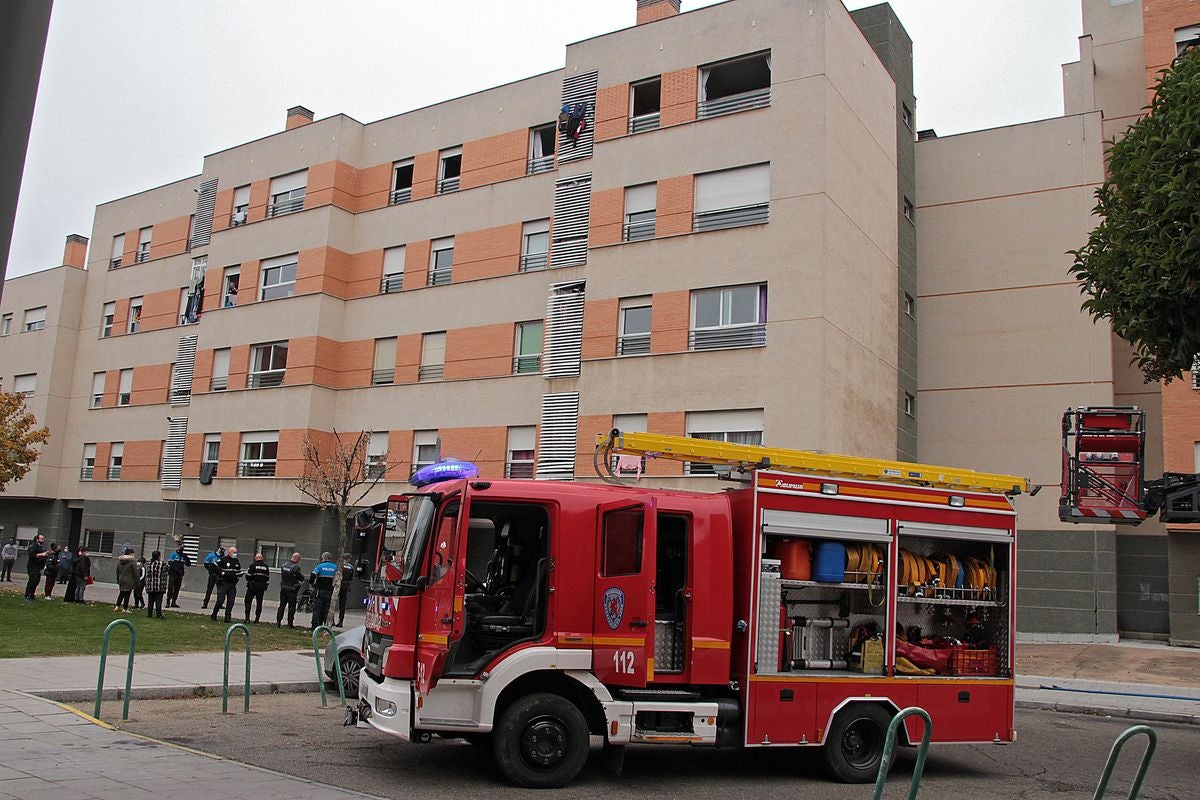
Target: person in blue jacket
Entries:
(322, 577)
(210, 564)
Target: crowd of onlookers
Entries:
(73, 568)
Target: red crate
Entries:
(964, 661)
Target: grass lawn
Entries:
(55, 628)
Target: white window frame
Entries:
(98, 379)
(6, 324)
(376, 455)
(401, 194)
(134, 323)
(35, 319)
(910, 305)
(449, 183)
(275, 554)
(730, 103)
(433, 356)
(521, 451)
(634, 343)
(231, 278)
(535, 245)
(145, 240)
(641, 202)
(211, 439)
(108, 315)
(728, 333)
(732, 198)
(423, 455)
(268, 365)
(125, 387)
(25, 384)
(538, 159)
(648, 120)
(287, 193)
(526, 363)
(87, 469)
(383, 372)
(277, 268)
(117, 252)
(909, 210)
(240, 212)
(393, 269)
(735, 426)
(258, 454)
(441, 261)
(909, 405)
(116, 460)
(1186, 37)
(220, 371)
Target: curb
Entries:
(1122, 713)
(174, 692)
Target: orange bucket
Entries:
(795, 559)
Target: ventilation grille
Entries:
(579, 89)
(182, 374)
(572, 210)
(563, 342)
(172, 467)
(206, 201)
(559, 433)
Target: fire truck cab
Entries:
(530, 615)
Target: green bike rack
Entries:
(337, 666)
(225, 680)
(889, 751)
(128, 667)
(1151, 743)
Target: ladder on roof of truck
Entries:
(745, 456)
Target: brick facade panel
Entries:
(231, 453)
(416, 263)
(484, 447)
(669, 322)
(364, 274)
(248, 281)
(425, 167)
(169, 238)
(675, 204)
(1160, 18)
(494, 158)
(120, 316)
(678, 102)
(374, 185)
(673, 423)
(656, 11)
(355, 361)
(612, 112)
(223, 210)
(141, 459)
(480, 352)
(408, 358)
(260, 195)
(239, 365)
(589, 426)
(202, 374)
(112, 382)
(103, 451)
(487, 253)
(151, 384)
(600, 328)
(193, 452)
(607, 214)
(400, 445)
(160, 310)
(1181, 425)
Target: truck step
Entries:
(675, 695)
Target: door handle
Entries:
(447, 620)
(637, 623)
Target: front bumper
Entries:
(390, 704)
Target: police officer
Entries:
(228, 570)
(210, 564)
(322, 578)
(291, 577)
(258, 577)
(177, 564)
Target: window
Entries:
(441, 261)
(645, 98)
(906, 116)
(89, 462)
(541, 148)
(99, 542)
(229, 286)
(909, 211)
(226, 542)
(241, 206)
(377, 449)
(402, 181)
(732, 316)
(97, 389)
(393, 270)
(1186, 37)
(527, 349)
(220, 372)
(212, 451)
(519, 463)
(433, 356)
(910, 405)
(275, 554)
(287, 193)
(35, 319)
(25, 384)
(189, 310)
(143, 248)
(732, 197)
(6, 325)
(623, 542)
(629, 464)
(910, 305)
(268, 363)
(639, 212)
(116, 456)
(449, 169)
(735, 85)
(156, 542)
(735, 427)
(633, 336)
(125, 389)
(426, 448)
(118, 250)
(535, 245)
(384, 371)
(278, 277)
(260, 449)
(134, 323)
(107, 315)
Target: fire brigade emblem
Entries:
(614, 607)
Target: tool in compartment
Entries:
(805, 642)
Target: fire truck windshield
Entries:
(412, 531)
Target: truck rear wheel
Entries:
(541, 741)
(854, 745)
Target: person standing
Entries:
(81, 569)
(322, 578)
(66, 571)
(37, 562)
(52, 569)
(126, 579)
(228, 571)
(177, 564)
(9, 554)
(156, 584)
(258, 578)
(210, 564)
(139, 590)
(290, 580)
(344, 590)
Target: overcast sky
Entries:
(134, 93)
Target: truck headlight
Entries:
(385, 708)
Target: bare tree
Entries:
(337, 475)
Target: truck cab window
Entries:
(623, 542)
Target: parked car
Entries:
(346, 647)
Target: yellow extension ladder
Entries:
(745, 456)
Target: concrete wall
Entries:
(1184, 582)
(1142, 586)
(1067, 585)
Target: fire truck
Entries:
(802, 607)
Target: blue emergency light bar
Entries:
(449, 469)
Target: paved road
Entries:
(1057, 756)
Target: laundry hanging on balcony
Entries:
(195, 304)
(572, 120)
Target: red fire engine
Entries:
(804, 607)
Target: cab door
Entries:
(623, 625)
(437, 623)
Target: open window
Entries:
(541, 148)
(402, 181)
(645, 101)
(735, 85)
(449, 169)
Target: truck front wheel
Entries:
(541, 741)
(854, 745)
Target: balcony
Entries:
(636, 231)
(376, 469)
(219, 383)
(85, 473)
(731, 217)
(439, 277)
(256, 469)
(518, 469)
(447, 185)
(540, 164)
(533, 262)
(527, 364)
(431, 372)
(265, 380)
(400, 196)
(143, 254)
(383, 377)
(646, 122)
(286, 206)
(391, 284)
(114, 473)
(114, 263)
(633, 344)
(759, 98)
(728, 337)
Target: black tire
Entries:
(352, 665)
(541, 741)
(854, 746)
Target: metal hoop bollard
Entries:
(337, 666)
(225, 680)
(1151, 743)
(128, 667)
(889, 748)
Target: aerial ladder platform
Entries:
(753, 457)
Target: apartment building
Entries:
(737, 236)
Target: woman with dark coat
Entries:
(127, 578)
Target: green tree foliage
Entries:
(19, 437)
(1140, 268)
